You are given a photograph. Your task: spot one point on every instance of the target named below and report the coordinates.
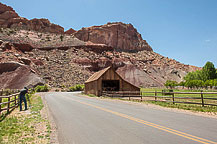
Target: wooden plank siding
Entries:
(94, 86)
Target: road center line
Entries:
(163, 128)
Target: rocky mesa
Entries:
(47, 54)
(120, 36)
(10, 19)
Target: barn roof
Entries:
(97, 75)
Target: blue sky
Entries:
(184, 30)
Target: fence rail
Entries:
(201, 98)
(8, 100)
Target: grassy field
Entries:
(192, 107)
(25, 126)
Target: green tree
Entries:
(197, 83)
(189, 76)
(189, 84)
(209, 71)
(206, 84)
(170, 84)
(182, 83)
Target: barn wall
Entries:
(90, 88)
(110, 75)
(128, 87)
(99, 87)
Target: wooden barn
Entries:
(107, 80)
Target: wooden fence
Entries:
(8, 100)
(201, 98)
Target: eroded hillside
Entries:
(64, 59)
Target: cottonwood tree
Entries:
(209, 71)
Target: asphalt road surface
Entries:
(85, 120)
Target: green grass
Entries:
(6, 100)
(91, 95)
(21, 127)
(192, 107)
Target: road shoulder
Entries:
(46, 113)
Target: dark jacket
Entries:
(23, 92)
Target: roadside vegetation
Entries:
(63, 88)
(25, 126)
(200, 79)
(43, 88)
(78, 87)
(192, 107)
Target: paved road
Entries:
(85, 120)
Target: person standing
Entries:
(22, 98)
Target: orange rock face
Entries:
(10, 19)
(118, 35)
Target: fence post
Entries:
(0, 106)
(129, 95)
(173, 98)
(155, 95)
(18, 98)
(202, 98)
(15, 100)
(9, 99)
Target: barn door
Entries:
(110, 85)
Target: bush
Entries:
(76, 88)
(43, 88)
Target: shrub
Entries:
(43, 88)
(61, 37)
(76, 88)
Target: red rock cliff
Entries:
(10, 19)
(118, 35)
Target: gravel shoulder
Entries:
(45, 113)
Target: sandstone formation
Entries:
(32, 50)
(138, 77)
(22, 47)
(10, 19)
(120, 36)
(70, 31)
(15, 76)
(67, 66)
